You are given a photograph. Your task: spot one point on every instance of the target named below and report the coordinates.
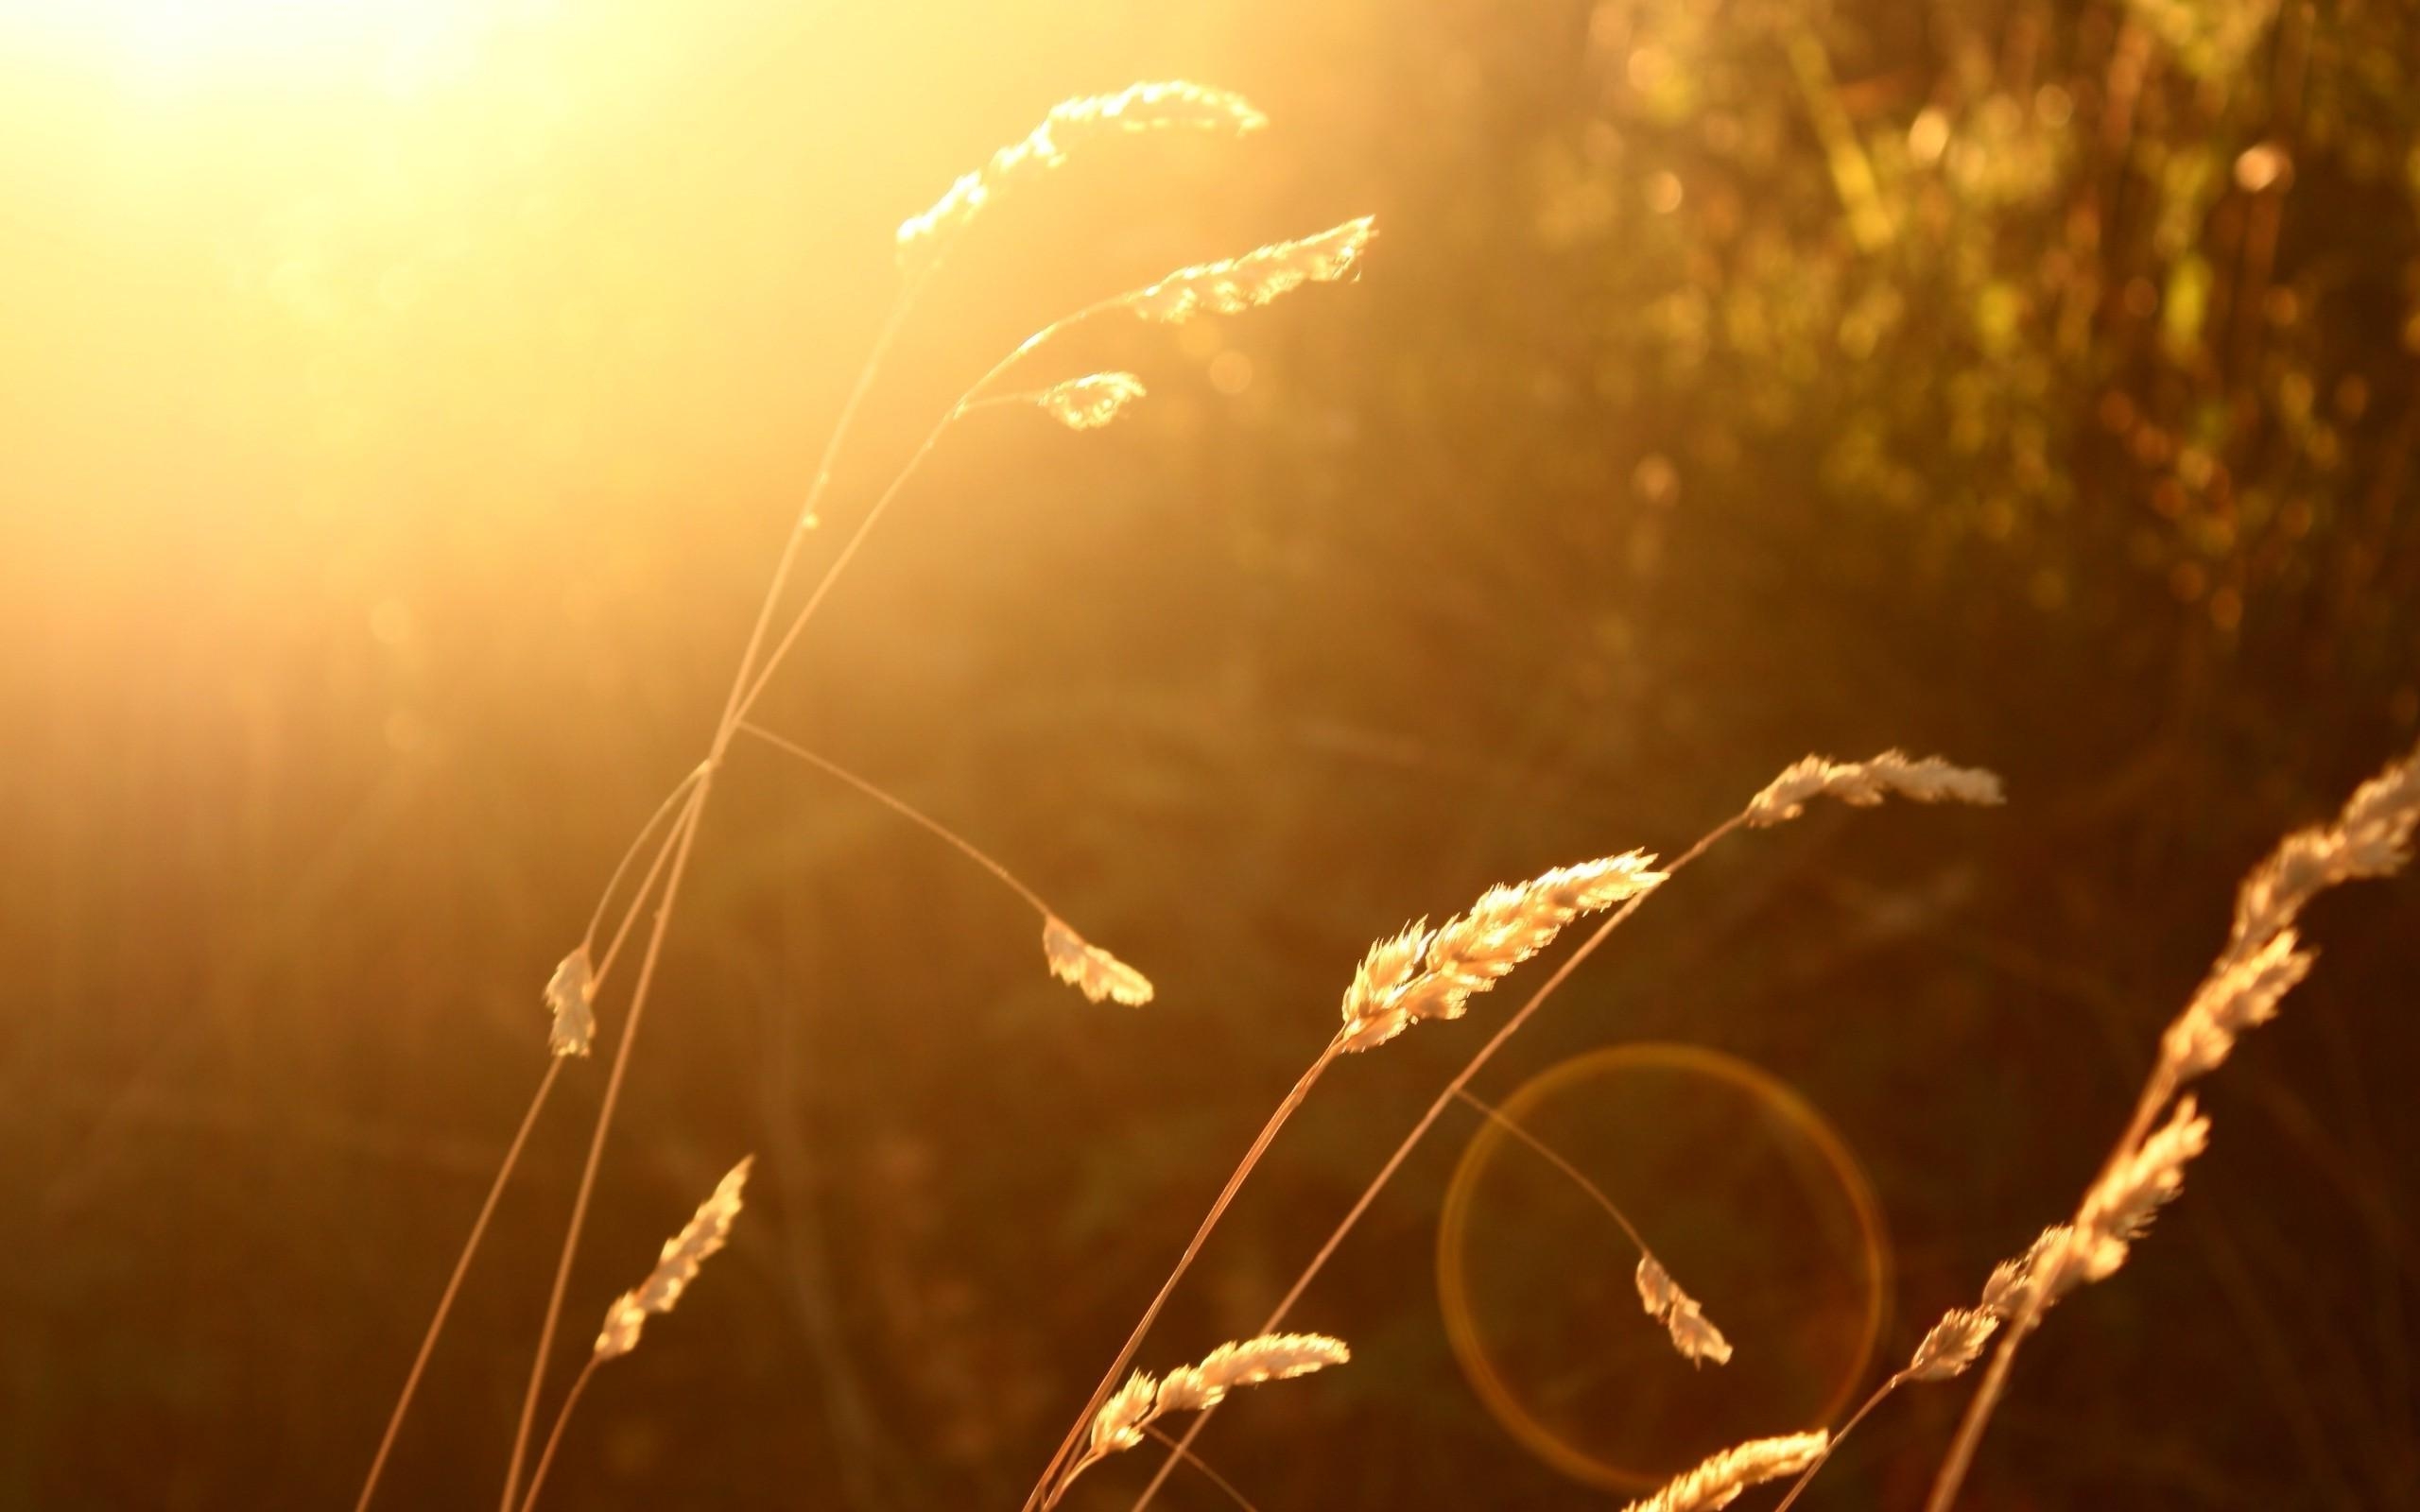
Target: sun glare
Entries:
(401, 46)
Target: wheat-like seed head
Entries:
(2004, 1293)
(1720, 1479)
(2261, 963)
(2263, 960)
(2234, 998)
(1119, 1423)
(571, 998)
(1185, 1389)
(1424, 973)
(1953, 1343)
(2121, 1205)
(1090, 401)
(1091, 969)
(675, 1268)
(1070, 124)
(2371, 837)
(1271, 1357)
(1863, 785)
(1263, 274)
(1693, 1335)
(1372, 1010)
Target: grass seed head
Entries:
(1070, 126)
(1863, 785)
(1426, 973)
(1089, 969)
(1693, 1335)
(1265, 273)
(1952, 1344)
(675, 1268)
(571, 998)
(1719, 1480)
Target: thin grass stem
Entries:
(748, 681)
(967, 403)
(702, 787)
(512, 1152)
(1047, 1489)
(454, 1283)
(1204, 1466)
(1546, 1152)
(1444, 1099)
(686, 835)
(637, 904)
(1894, 1383)
(621, 867)
(2161, 1087)
(905, 811)
(555, 1436)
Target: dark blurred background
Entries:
(400, 407)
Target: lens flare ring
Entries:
(1794, 1114)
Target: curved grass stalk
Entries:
(1444, 1099)
(701, 788)
(1257, 277)
(685, 837)
(1946, 1352)
(2027, 1316)
(905, 811)
(754, 674)
(512, 1153)
(1073, 959)
(621, 867)
(2262, 962)
(968, 403)
(638, 902)
(454, 1284)
(555, 1434)
(1693, 1335)
(1052, 1483)
(1861, 784)
(1272, 271)
(1202, 1465)
(1880, 1392)
(1547, 1153)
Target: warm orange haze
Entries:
(1055, 756)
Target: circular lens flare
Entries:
(1750, 1199)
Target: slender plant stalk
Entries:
(1871, 1402)
(685, 840)
(638, 900)
(967, 403)
(621, 867)
(1497, 1116)
(554, 1435)
(748, 683)
(1204, 1466)
(521, 1138)
(1046, 1490)
(701, 789)
(752, 676)
(2161, 1087)
(1444, 1099)
(454, 1283)
(901, 807)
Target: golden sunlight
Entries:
(398, 46)
(1029, 586)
